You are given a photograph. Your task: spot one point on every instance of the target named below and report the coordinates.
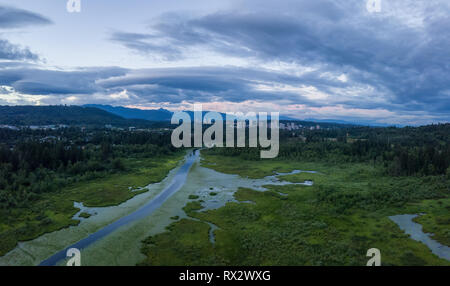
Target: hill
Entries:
(134, 113)
(153, 114)
(68, 115)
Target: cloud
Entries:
(225, 89)
(398, 55)
(34, 80)
(324, 58)
(10, 51)
(146, 44)
(17, 18)
(203, 84)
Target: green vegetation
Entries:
(364, 176)
(85, 215)
(333, 222)
(35, 163)
(190, 247)
(193, 197)
(436, 219)
(55, 210)
(421, 151)
(41, 180)
(192, 207)
(245, 168)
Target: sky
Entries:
(321, 59)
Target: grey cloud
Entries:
(203, 84)
(36, 81)
(11, 17)
(146, 44)
(174, 85)
(391, 63)
(410, 64)
(17, 18)
(10, 51)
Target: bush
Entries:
(118, 165)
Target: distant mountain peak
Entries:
(160, 114)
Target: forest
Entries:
(37, 162)
(44, 171)
(33, 162)
(408, 151)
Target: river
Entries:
(177, 182)
(113, 235)
(406, 223)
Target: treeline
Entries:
(69, 115)
(46, 163)
(425, 160)
(401, 151)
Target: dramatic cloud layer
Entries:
(18, 18)
(35, 81)
(9, 51)
(323, 59)
(402, 60)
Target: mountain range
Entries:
(100, 115)
(151, 114)
(67, 115)
(135, 113)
